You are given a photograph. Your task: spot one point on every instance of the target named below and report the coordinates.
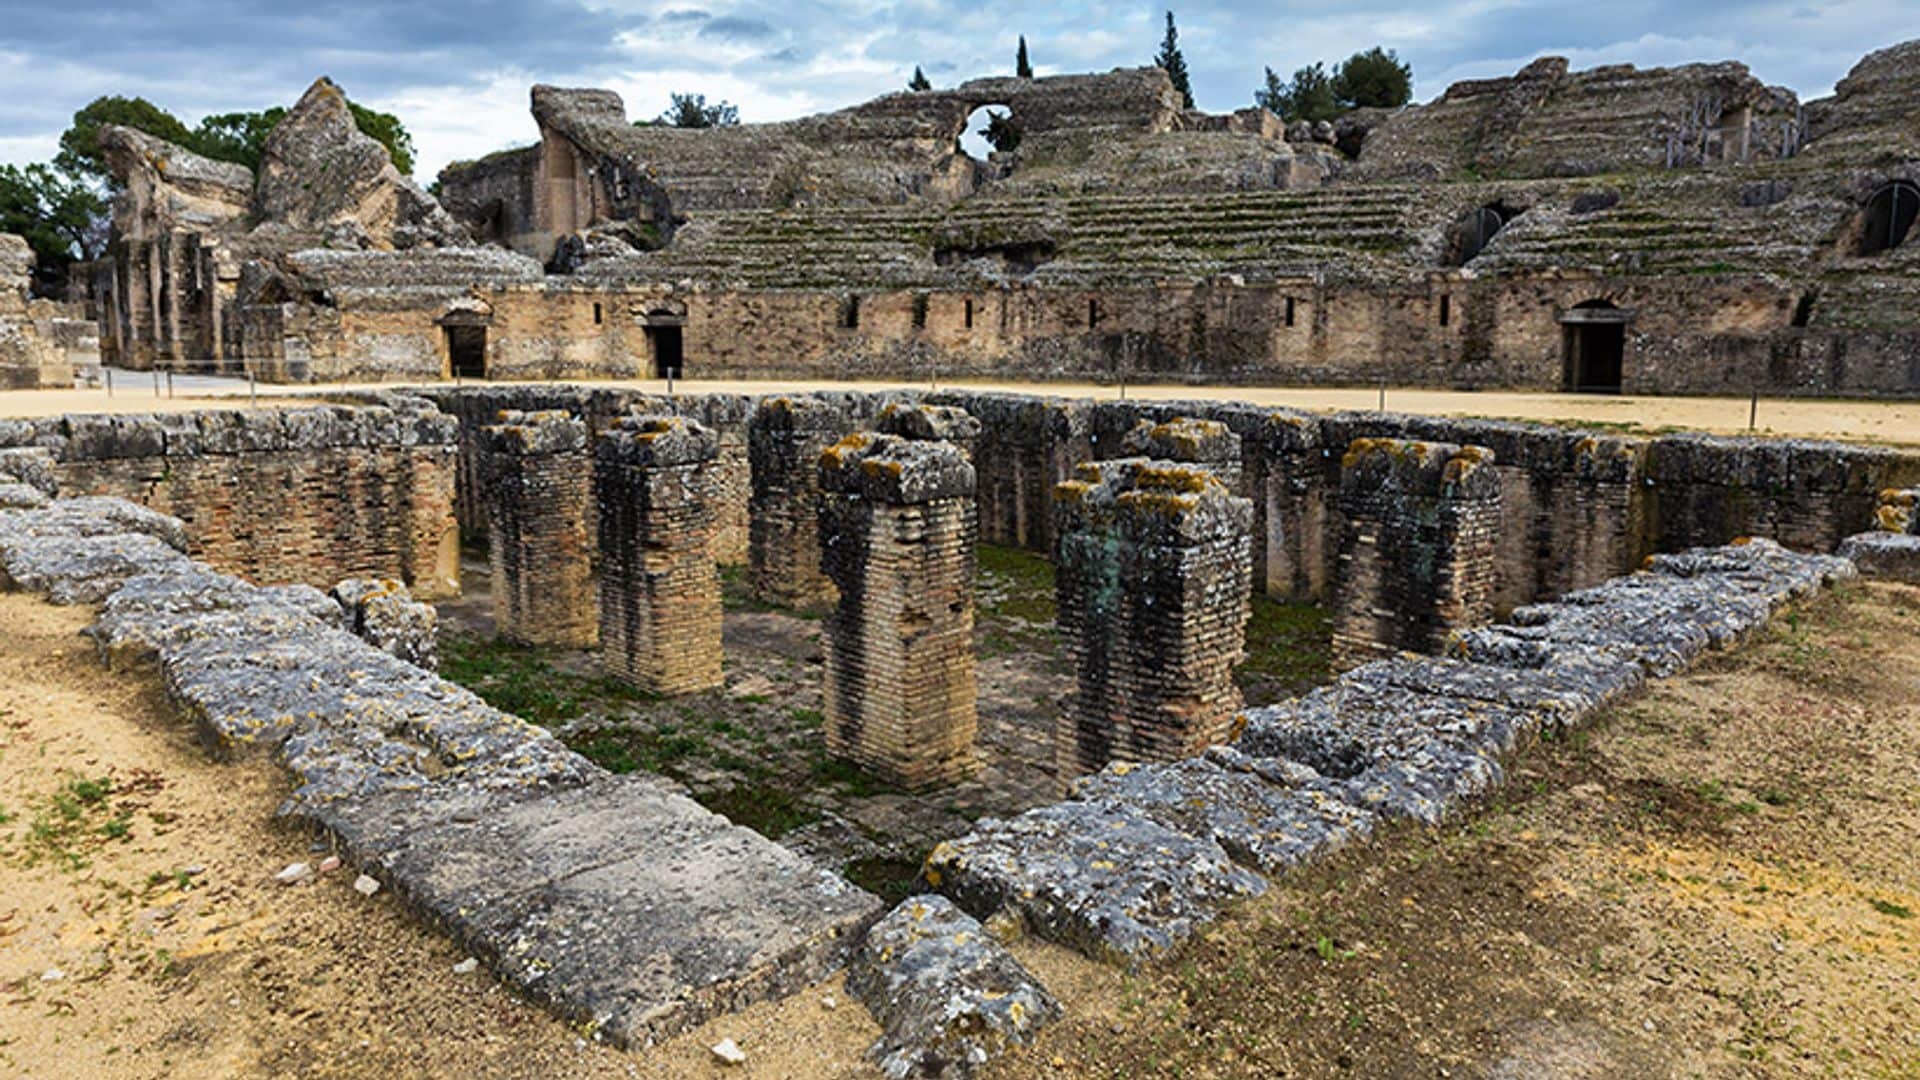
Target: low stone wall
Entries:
(287, 495)
(1143, 857)
(616, 901)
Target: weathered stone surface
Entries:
(1096, 876)
(948, 997)
(382, 613)
(1264, 824)
(1886, 555)
(622, 904)
(319, 170)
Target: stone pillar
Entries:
(659, 589)
(785, 438)
(944, 423)
(1420, 524)
(1209, 444)
(1293, 471)
(1152, 563)
(897, 528)
(539, 483)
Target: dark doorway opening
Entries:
(467, 351)
(1471, 234)
(1890, 214)
(1594, 343)
(664, 341)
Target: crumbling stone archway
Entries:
(1471, 233)
(1594, 347)
(1890, 215)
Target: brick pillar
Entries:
(1206, 443)
(897, 528)
(1420, 525)
(1152, 563)
(653, 480)
(539, 483)
(926, 423)
(785, 438)
(1293, 472)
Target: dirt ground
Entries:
(1716, 880)
(1858, 421)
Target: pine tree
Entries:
(1175, 65)
(920, 81)
(1021, 68)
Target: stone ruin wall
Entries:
(295, 495)
(1578, 507)
(541, 546)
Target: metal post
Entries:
(156, 379)
(1753, 411)
(1383, 395)
(109, 373)
(169, 382)
(253, 390)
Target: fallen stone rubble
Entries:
(1888, 555)
(1140, 855)
(947, 995)
(626, 906)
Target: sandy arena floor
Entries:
(1859, 421)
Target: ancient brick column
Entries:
(1207, 443)
(944, 423)
(539, 483)
(785, 437)
(1420, 529)
(1152, 562)
(1293, 482)
(659, 589)
(897, 531)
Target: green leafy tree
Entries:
(80, 155)
(59, 215)
(920, 81)
(1001, 132)
(236, 136)
(1021, 68)
(692, 111)
(1307, 96)
(1174, 63)
(387, 130)
(1377, 77)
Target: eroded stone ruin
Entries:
(630, 909)
(1683, 229)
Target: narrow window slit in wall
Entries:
(850, 313)
(920, 311)
(1289, 311)
(1093, 313)
(1446, 310)
(969, 314)
(596, 314)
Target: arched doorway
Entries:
(1890, 214)
(1593, 336)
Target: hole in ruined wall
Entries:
(920, 303)
(850, 313)
(1289, 311)
(1093, 313)
(1446, 309)
(1018, 257)
(1890, 214)
(1594, 346)
(664, 344)
(969, 314)
(597, 315)
(467, 351)
(1471, 234)
(988, 128)
(1803, 308)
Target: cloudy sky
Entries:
(457, 71)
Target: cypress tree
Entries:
(1021, 68)
(919, 81)
(1175, 64)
